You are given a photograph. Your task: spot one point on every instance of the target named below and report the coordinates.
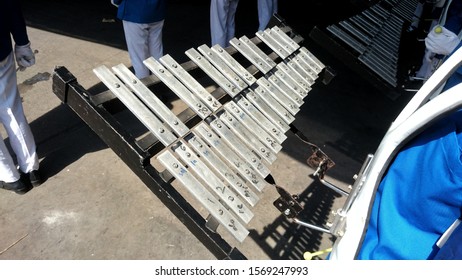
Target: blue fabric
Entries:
(419, 197)
(454, 17)
(452, 249)
(141, 11)
(11, 25)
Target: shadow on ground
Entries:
(285, 240)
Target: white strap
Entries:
(447, 234)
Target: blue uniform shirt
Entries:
(420, 196)
(11, 24)
(141, 11)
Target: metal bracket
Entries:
(290, 207)
(319, 161)
(288, 204)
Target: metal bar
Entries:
(367, 25)
(262, 113)
(256, 56)
(301, 86)
(135, 105)
(309, 68)
(234, 160)
(282, 36)
(284, 41)
(222, 67)
(234, 65)
(373, 66)
(311, 226)
(257, 146)
(345, 37)
(349, 59)
(178, 88)
(215, 208)
(233, 179)
(245, 50)
(279, 82)
(212, 72)
(265, 88)
(150, 99)
(254, 127)
(273, 44)
(192, 84)
(259, 118)
(214, 183)
(240, 148)
(262, 95)
(308, 76)
(308, 57)
(359, 34)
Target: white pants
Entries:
(12, 117)
(222, 23)
(266, 9)
(143, 41)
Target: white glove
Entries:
(115, 3)
(25, 57)
(442, 41)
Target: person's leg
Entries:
(265, 11)
(136, 37)
(18, 129)
(275, 6)
(21, 138)
(218, 21)
(156, 48)
(8, 171)
(231, 23)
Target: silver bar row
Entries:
(375, 35)
(224, 159)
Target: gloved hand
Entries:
(441, 40)
(25, 57)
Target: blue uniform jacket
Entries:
(141, 11)
(419, 197)
(11, 24)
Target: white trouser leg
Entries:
(222, 24)
(8, 171)
(266, 9)
(139, 41)
(218, 22)
(12, 117)
(156, 48)
(231, 23)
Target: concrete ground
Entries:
(92, 206)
